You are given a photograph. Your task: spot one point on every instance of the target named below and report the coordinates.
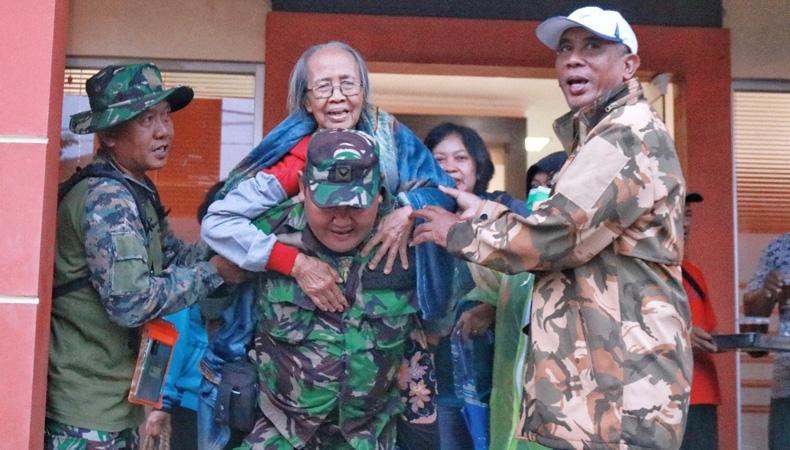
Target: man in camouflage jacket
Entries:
(328, 379)
(117, 263)
(609, 361)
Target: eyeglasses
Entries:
(325, 89)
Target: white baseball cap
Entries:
(606, 24)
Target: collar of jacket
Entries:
(571, 127)
(103, 155)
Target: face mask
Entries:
(537, 195)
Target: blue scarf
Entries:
(297, 125)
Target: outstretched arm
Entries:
(602, 193)
(120, 266)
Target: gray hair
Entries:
(297, 85)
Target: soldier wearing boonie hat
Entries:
(121, 93)
(112, 269)
(342, 169)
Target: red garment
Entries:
(705, 384)
(282, 257)
(287, 169)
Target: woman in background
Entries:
(461, 152)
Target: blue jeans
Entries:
(211, 436)
(453, 434)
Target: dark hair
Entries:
(208, 199)
(297, 84)
(474, 145)
(532, 172)
(549, 164)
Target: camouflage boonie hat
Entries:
(121, 93)
(342, 169)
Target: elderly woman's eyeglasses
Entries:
(325, 89)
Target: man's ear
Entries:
(300, 195)
(107, 139)
(631, 65)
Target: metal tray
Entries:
(752, 342)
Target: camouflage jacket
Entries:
(115, 255)
(134, 277)
(317, 367)
(609, 358)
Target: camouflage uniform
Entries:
(59, 436)
(329, 380)
(134, 275)
(609, 359)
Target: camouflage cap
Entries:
(342, 169)
(121, 93)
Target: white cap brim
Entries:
(550, 31)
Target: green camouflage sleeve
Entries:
(617, 182)
(118, 262)
(286, 216)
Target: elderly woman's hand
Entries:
(393, 234)
(318, 280)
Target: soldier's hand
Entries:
(437, 225)
(231, 273)
(702, 340)
(155, 422)
(393, 235)
(318, 280)
(468, 203)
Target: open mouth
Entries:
(576, 85)
(161, 150)
(338, 115)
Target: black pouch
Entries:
(237, 396)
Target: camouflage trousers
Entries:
(327, 437)
(59, 436)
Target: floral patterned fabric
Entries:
(417, 381)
